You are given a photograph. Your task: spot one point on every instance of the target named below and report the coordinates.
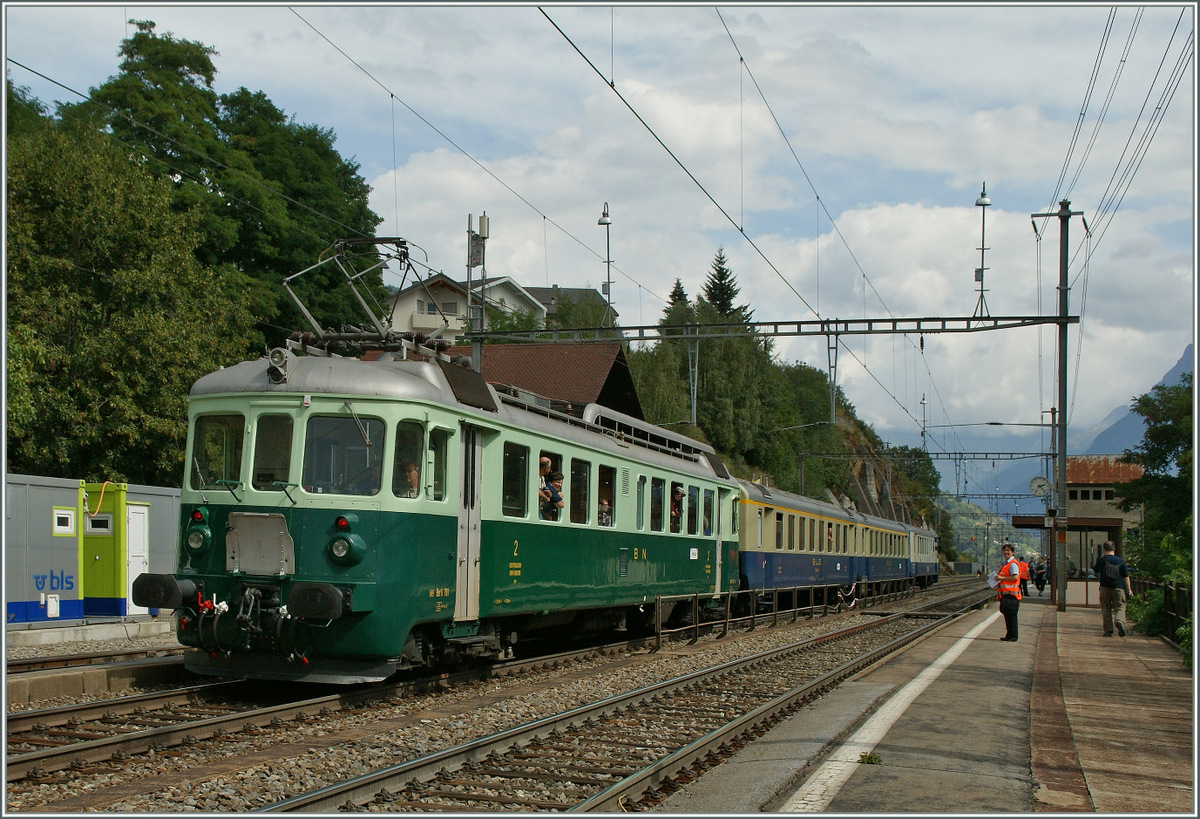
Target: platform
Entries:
(1064, 720)
(95, 629)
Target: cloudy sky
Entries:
(836, 153)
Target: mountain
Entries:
(1122, 429)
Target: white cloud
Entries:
(896, 116)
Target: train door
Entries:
(466, 596)
(718, 531)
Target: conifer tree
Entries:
(721, 290)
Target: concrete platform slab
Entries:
(1064, 720)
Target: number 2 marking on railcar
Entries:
(514, 548)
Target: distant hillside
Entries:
(1120, 430)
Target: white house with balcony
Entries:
(441, 302)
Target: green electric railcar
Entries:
(345, 519)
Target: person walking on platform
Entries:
(1039, 575)
(1114, 588)
(1008, 592)
(1023, 563)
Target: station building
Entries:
(1093, 517)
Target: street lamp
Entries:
(983, 203)
(604, 220)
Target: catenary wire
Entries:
(467, 154)
(189, 149)
(683, 167)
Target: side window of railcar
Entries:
(514, 481)
(676, 502)
(708, 512)
(658, 487)
(607, 501)
(216, 450)
(581, 472)
(343, 454)
(272, 453)
(693, 508)
(439, 446)
(407, 462)
(779, 516)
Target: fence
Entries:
(1177, 603)
(763, 606)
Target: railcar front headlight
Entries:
(345, 547)
(339, 548)
(198, 537)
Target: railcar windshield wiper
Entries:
(200, 475)
(361, 429)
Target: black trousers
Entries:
(1009, 606)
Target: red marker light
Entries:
(197, 516)
(341, 523)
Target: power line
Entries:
(726, 214)
(837, 230)
(682, 167)
(468, 154)
(206, 183)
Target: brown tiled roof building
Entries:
(574, 373)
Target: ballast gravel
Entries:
(262, 784)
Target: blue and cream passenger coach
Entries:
(344, 519)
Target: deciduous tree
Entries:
(110, 316)
(1165, 490)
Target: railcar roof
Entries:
(385, 378)
(412, 380)
(770, 496)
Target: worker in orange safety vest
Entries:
(1008, 592)
(1024, 566)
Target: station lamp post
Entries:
(607, 223)
(983, 203)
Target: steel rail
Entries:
(48, 760)
(23, 665)
(757, 721)
(344, 795)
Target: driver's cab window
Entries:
(343, 455)
(272, 453)
(217, 442)
(439, 445)
(408, 461)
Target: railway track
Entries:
(612, 754)
(71, 743)
(27, 664)
(41, 742)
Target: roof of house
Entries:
(576, 373)
(506, 281)
(549, 296)
(461, 287)
(429, 281)
(1100, 470)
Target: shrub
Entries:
(1183, 636)
(1146, 611)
